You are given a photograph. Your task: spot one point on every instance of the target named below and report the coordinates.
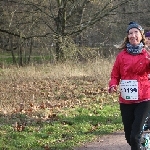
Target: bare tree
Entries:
(55, 19)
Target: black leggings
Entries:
(133, 118)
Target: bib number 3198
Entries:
(129, 89)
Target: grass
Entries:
(66, 130)
(56, 107)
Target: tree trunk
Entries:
(60, 25)
(20, 56)
(59, 49)
(30, 52)
(12, 50)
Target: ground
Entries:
(115, 141)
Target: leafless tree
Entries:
(52, 20)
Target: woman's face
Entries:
(134, 36)
(147, 41)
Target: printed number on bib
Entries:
(129, 89)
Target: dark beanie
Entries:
(147, 34)
(134, 25)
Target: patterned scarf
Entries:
(134, 50)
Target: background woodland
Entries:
(60, 30)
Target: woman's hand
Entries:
(113, 88)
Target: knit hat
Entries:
(147, 34)
(134, 25)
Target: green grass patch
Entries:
(72, 127)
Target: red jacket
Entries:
(132, 67)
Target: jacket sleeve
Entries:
(115, 73)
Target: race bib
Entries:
(129, 89)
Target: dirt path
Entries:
(115, 141)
